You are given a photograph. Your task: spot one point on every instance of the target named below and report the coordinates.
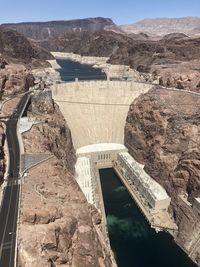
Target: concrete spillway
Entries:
(96, 111)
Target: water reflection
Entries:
(70, 70)
(133, 241)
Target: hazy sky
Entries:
(121, 11)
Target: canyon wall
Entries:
(174, 58)
(162, 131)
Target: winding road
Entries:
(10, 201)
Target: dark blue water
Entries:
(71, 70)
(133, 241)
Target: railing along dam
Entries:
(96, 111)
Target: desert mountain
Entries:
(52, 29)
(162, 26)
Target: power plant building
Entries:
(152, 193)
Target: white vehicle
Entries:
(6, 178)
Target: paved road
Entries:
(9, 208)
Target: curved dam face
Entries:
(96, 111)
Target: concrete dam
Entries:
(96, 111)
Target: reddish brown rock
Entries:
(163, 132)
(180, 77)
(52, 134)
(60, 226)
(15, 79)
(17, 48)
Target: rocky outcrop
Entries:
(17, 57)
(63, 228)
(187, 81)
(181, 75)
(14, 45)
(162, 132)
(15, 79)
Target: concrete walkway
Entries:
(31, 160)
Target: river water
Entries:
(71, 70)
(133, 241)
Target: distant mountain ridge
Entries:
(162, 26)
(51, 29)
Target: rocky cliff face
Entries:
(63, 228)
(124, 48)
(46, 30)
(58, 228)
(15, 79)
(52, 134)
(16, 47)
(101, 43)
(181, 76)
(162, 132)
(17, 57)
(174, 60)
